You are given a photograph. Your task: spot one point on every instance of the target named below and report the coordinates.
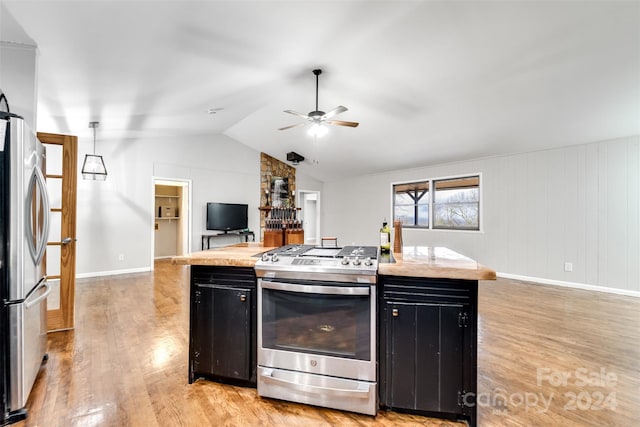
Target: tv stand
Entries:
(207, 237)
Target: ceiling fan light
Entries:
(319, 130)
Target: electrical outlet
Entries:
(568, 266)
(121, 257)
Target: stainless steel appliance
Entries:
(24, 225)
(316, 326)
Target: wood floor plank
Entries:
(125, 364)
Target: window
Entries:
(411, 204)
(456, 203)
(452, 203)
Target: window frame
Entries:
(431, 203)
(428, 198)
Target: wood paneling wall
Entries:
(579, 204)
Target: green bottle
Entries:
(385, 237)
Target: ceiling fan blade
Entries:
(295, 113)
(339, 109)
(342, 123)
(291, 126)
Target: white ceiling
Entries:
(430, 82)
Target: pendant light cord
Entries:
(94, 126)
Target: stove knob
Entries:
(345, 261)
(368, 261)
(265, 257)
(274, 258)
(356, 260)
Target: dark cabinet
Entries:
(427, 355)
(222, 337)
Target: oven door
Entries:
(325, 328)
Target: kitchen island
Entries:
(414, 261)
(426, 334)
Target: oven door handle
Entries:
(317, 289)
(362, 392)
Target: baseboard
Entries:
(570, 284)
(113, 272)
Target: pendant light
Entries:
(93, 167)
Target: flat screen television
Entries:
(227, 216)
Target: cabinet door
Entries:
(222, 331)
(424, 356)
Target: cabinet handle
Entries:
(243, 298)
(394, 312)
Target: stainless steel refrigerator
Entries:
(24, 226)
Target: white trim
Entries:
(18, 45)
(436, 230)
(177, 182)
(575, 285)
(113, 272)
(318, 210)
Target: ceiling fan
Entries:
(318, 118)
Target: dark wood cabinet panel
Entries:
(428, 345)
(221, 342)
(222, 339)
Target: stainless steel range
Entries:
(316, 326)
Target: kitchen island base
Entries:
(423, 332)
(222, 331)
(428, 351)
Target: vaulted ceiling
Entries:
(429, 81)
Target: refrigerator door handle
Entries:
(38, 251)
(43, 283)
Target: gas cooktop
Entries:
(323, 252)
(310, 258)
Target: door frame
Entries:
(186, 184)
(301, 196)
(63, 317)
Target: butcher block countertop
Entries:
(240, 255)
(414, 261)
(435, 262)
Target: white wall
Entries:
(579, 204)
(18, 65)
(306, 182)
(116, 216)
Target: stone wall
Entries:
(271, 167)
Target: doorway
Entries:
(171, 218)
(60, 259)
(309, 203)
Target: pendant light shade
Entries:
(93, 167)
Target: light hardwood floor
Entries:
(125, 364)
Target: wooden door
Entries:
(62, 160)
